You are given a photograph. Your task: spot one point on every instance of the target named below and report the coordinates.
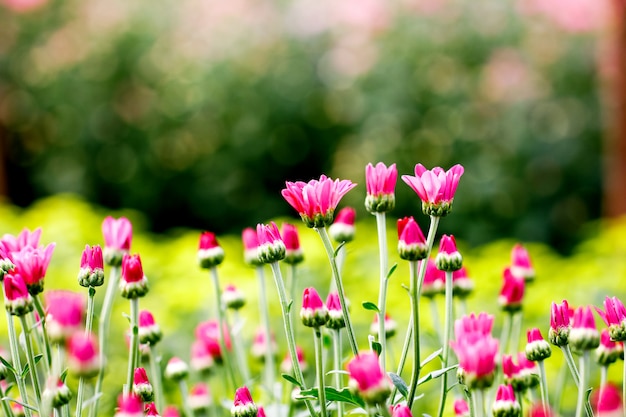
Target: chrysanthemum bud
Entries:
(401, 410)
(368, 379)
(149, 330)
(520, 264)
(293, 252)
(176, 369)
(271, 247)
(133, 283)
(129, 406)
(199, 397)
(434, 280)
(82, 351)
(286, 366)
(411, 241)
(64, 314)
(537, 348)
(609, 351)
(380, 182)
(118, 234)
(17, 299)
(233, 298)
(512, 293)
(210, 253)
(335, 313)
(260, 345)
(250, 246)
(461, 408)
(614, 315)
(91, 272)
(584, 334)
(170, 411)
(449, 258)
(142, 386)
(505, 404)
(559, 324)
(390, 326)
(462, 284)
(243, 405)
(201, 359)
(151, 410)
(57, 393)
(313, 313)
(343, 229)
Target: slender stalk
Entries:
(571, 364)
(6, 407)
(291, 343)
(342, 299)
(221, 320)
(405, 352)
(155, 370)
(103, 333)
(133, 353)
(604, 370)
(476, 407)
(239, 352)
(30, 357)
(544, 387)
(337, 366)
(506, 332)
(292, 285)
(582, 386)
(80, 397)
(448, 320)
(319, 370)
(90, 308)
(184, 393)
(470, 402)
(558, 391)
(515, 331)
(265, 319)
(17, 364)
(44, 332)
(382, 293)
(414, 295)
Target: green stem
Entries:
(265, 319)
(571, 364)
(44, 331)
(239, 352)
(470, 402)
(516, 331)
(6, 407)
(133, 354)
(319, 370)
(382, 293)
(103, 334)
(291, 343)
(184, 393)
(80, 396)
(448, 321)
(90, 308)
(155, 370)
(403, 356)
(337, 366)
(414, 295)
(544, 387)
(582, 386)
(17, 364)
(506, 332)
(337, 277)
(222, 323)
(30, 357)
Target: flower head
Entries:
(32, 264)
(243, 406)
(462, 284)
(233, 297)
(368, 379)
(436, 188)
(65, 314)
(142, 386)
(614, 315)
(293, 251)
(176, 369)
(199, 397)
(401, 410)
(118, 234)
(335, 313)
(151, 410)
(210, 253)
(411, 241)
(584, 334)
(82, 351)
(316, 200)
(461, 408)
(170, 411)
(208, 332)
(250, 246)
(260, 345)
(17, 299)
(91, 272)
(608, 351)
(390, 326)
(380, 182)
(521, 266)
(449, 258)
(343, 229)
(133, 282)
(434, 280)
(201, 359)
(149, 330)
(559, 324)
(57, 392)
(129, 406)
(11, 245)
(607, 401)
(505, 404)
(537, 349)
(271, 246)
(313, 313)
(512, 293)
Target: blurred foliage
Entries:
(181, 294)
(196, 112)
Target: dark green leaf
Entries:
(291, 379)
(376, 347)
(392, 270)
(400, 384)
(368, 305)
(341, 245)
(63, 375)
(25, 371)
(8, 365)
(37, 358)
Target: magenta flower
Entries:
(335, 313)
(401, 410)
(260, 345)
(293, 251)
(521, 266)
(142, 386)
(512, 292)
(170, 411)
(411, 241)
(82, 351)
(368, 379)
(233, 297)
(434, 280)
(32, 264)
(537, 348)
(473, 326)
(91, 272)
(129, 406)
(199, 397)
(461, 408)
(65, 314)
(260, 412)
(26, 239)
(614, 315)
(609, 351)
(380, 182)
(343, 229)
(462, 284)
(559, 324)
(286, 366)
(505, 404)
(607, 401)
(118, 234)
(316, 200)
(176, 369)
(250, 246)
(436, 188)
(149, 330)
(210, 253)
(271, 246)
(201, 358)
(133, 283)
(17, 299)
(208, 332)
(449, 258)
(313, 313)
(584, 335)
(243, 406)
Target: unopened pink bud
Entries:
(91, 272)
(142, 386)
(133, 283)
(449, 258)
(368, 379)
(118, 234)
(210, 253)
(313, 313)
(243, 405)
(520, 264)
(293, 251)
(343, 228)
(129, 406)
(380, 182)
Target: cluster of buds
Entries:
(522, 375)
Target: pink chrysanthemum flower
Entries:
(368, 379)
(614, 315)
(608, 351)
(584, 335)
(133, 283)
(210, 253)
(293, 252)
(129, 406)
(149, 331)
(436, 188)
(537, 348)
(208, 332)
(411, 241)
(434, 280)
(521, 266)
(91, 272)
(343, 228)
(17, 299)
(505, 404)
(512, 292)
(316, 200)
(461, 408)
(607, 401)
(64, 314)
(243, 406)
(271, 246)
(199, 397)
(32, 264)
(201, 358)
(142, 386)
(313, 313)
(559, 324)
(82, 352)
(118, 234)
(380, 182)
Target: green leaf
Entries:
(436, 374)
(291, 379)
(37, 358)
(126, 316)
(368, 305)
(430, 357)
(25, 370)
(289, 306)
(377, 347)
(341, 245)
(332, 394)
(63, 375)
(392, 270)
(400, 384)
(30, 407)
(8, 365)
